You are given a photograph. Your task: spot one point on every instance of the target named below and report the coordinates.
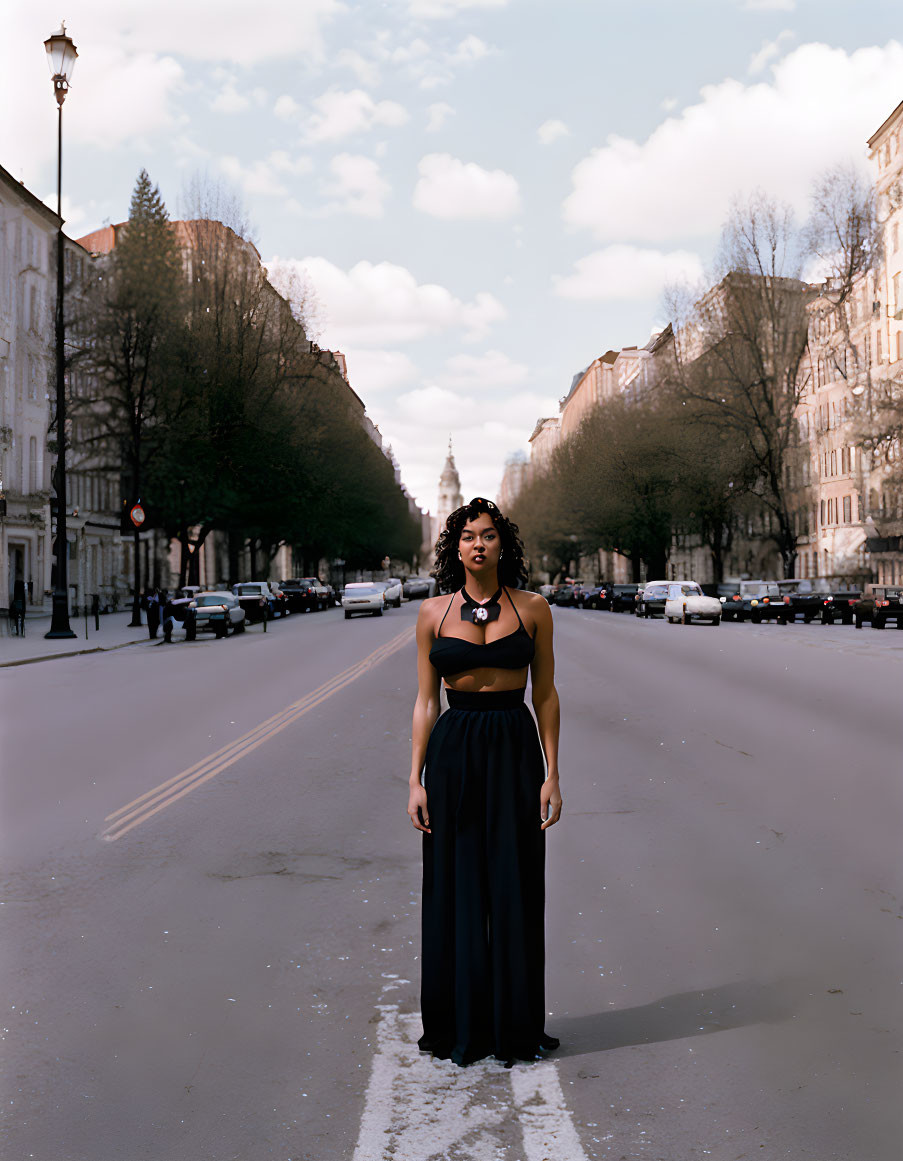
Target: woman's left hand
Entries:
(549, 802)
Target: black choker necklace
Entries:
(480, 613)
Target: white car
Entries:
(363, 597)
(393, 590)
(687, 602)
(219, 611)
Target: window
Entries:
(833, 463)
(32, 464)
(821, 505)
(848, 509)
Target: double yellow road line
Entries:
(141, 809)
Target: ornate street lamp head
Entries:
(61, 57)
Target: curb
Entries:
(70, 653)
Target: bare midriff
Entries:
(487, 679)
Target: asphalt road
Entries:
(210, 903)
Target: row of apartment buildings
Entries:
(851, 513)
(101, 558)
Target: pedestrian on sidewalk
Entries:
(153, 613)
(17, 608)
(486, 799)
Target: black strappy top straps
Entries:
(513, 606)
(445, 614)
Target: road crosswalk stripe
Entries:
(417, 1108)
(150, 803)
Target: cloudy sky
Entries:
(484, 194)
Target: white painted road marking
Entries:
(420, 1109)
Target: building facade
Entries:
(28, 232)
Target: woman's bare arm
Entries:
(426, 710)
(548, 711)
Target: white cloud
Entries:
(621, 272)
(450, 188)
(820, 106)
(414, 50)
(230, 100)
(550, 131)
(357, 186)
(374, 372)
(469, 51)
(213, 30)
(437, 115)
(286, 107)
(444, 9)
(265, 176)
(492, 369)
(342, 113)
(366, 71)
(382, 305)
(768, 52)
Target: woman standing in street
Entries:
(487, 797)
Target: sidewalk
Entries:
(114, 633)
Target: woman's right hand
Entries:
(417, 809)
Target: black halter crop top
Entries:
(452, 655)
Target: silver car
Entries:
(363, 597)
(219, 612)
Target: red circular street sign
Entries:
(137, 515)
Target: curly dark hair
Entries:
(449, 571)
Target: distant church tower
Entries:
(450, 496)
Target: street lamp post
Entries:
(61, 56)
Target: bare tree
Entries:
(741, 358)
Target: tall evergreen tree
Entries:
(137, 312)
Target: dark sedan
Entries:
(597, 597)
(623, 598)
(650, 600)
(880, 604)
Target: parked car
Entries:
(840, 605)
(259, 601)
(763, 603)
(598, 597)
(417, 587)
(219, 611)
(752, 600)
(568, 596)
(393, 589)
(651, 599)
(801, 597)
(363, 597)
(880, 604)
(686, 602)
(299, 594)
(623, 598)
(317, 595)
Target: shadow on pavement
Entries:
(679, 1016)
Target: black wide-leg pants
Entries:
(483, 956)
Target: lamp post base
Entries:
(59, 619)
